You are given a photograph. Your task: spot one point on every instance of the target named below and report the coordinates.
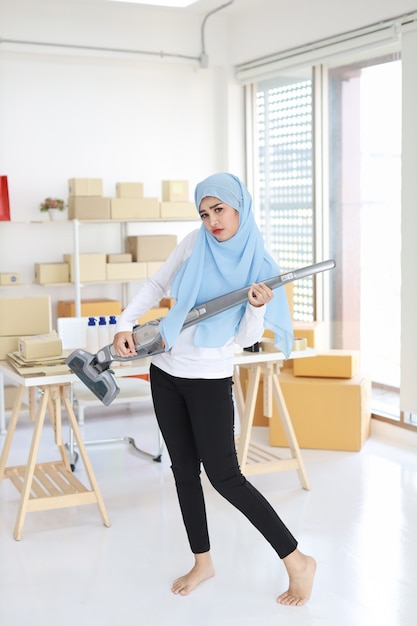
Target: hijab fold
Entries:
(216, 268)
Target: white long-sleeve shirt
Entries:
(185, 359)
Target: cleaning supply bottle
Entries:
(103, 333)
(112, 331)
(112, 327)
(92, 336)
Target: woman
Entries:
(191, 381)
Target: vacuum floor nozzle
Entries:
(102, 384)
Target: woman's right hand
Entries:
(123, 344)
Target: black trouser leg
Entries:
(196, 418)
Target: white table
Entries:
(31, 382)
(49, 485)
(53, 485)
(256, 458)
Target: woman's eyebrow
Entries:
(211, 207)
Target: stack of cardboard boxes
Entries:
(86, 202)
(26, 334)
(327, 396)
(175, 201)
(21, 317)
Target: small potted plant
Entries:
(54, 206)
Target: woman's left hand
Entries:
(259, 294)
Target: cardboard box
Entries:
(9, 279)
(89, 307)
(167, 302)
(329, 364)
(129, 190)
(153, 314)
(40, 346)
(134, 208)
(85, 187)
(314, 332)
(10, 396)
(25, 316)
(92, 267)
(122, 257)
(8, 344)
(151, 247)
(178, 210)
(126, 271)
(326, 413)
(48, 273)
(153, 267)
(83, 208)
(175, 191)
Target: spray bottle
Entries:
(112, 331)
(103, 333)
(112, 327)
(92, 336)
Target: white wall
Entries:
(75, 113)
(68, 112)
(278, 25)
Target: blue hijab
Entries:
(216, 268)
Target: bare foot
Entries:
(202, 570)
(301, 569)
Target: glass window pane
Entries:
(284, 126)
(365, 218)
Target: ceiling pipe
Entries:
(204, 61)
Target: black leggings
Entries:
(196, 418)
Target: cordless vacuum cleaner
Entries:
(94, 370)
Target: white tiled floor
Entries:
(359, 520)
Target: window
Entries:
(365, 219)
(285, 179)
(360, 112)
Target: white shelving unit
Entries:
(25, 243)
(123, 226)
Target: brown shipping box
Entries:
(126, 271)
(49, 273)
(175, 190)
(178, 210)
(129, 190)
(153, 314)
(151, 247)
(329, 364)
(8, 344)
(92, 267)
(154, 266)
(85, 187)
(134, 208)
(40, 346)
(119, 257)
(9, 279)
(10, 396)
(88, 208)
(314, 332)
(326, 413)
(25, 316)
(91, 307)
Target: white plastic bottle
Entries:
(92, 336)
(112, 327)
(112, 331)
(103, 333)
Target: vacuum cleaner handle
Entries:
(94, 370)
(222, 303)
(147, 339)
